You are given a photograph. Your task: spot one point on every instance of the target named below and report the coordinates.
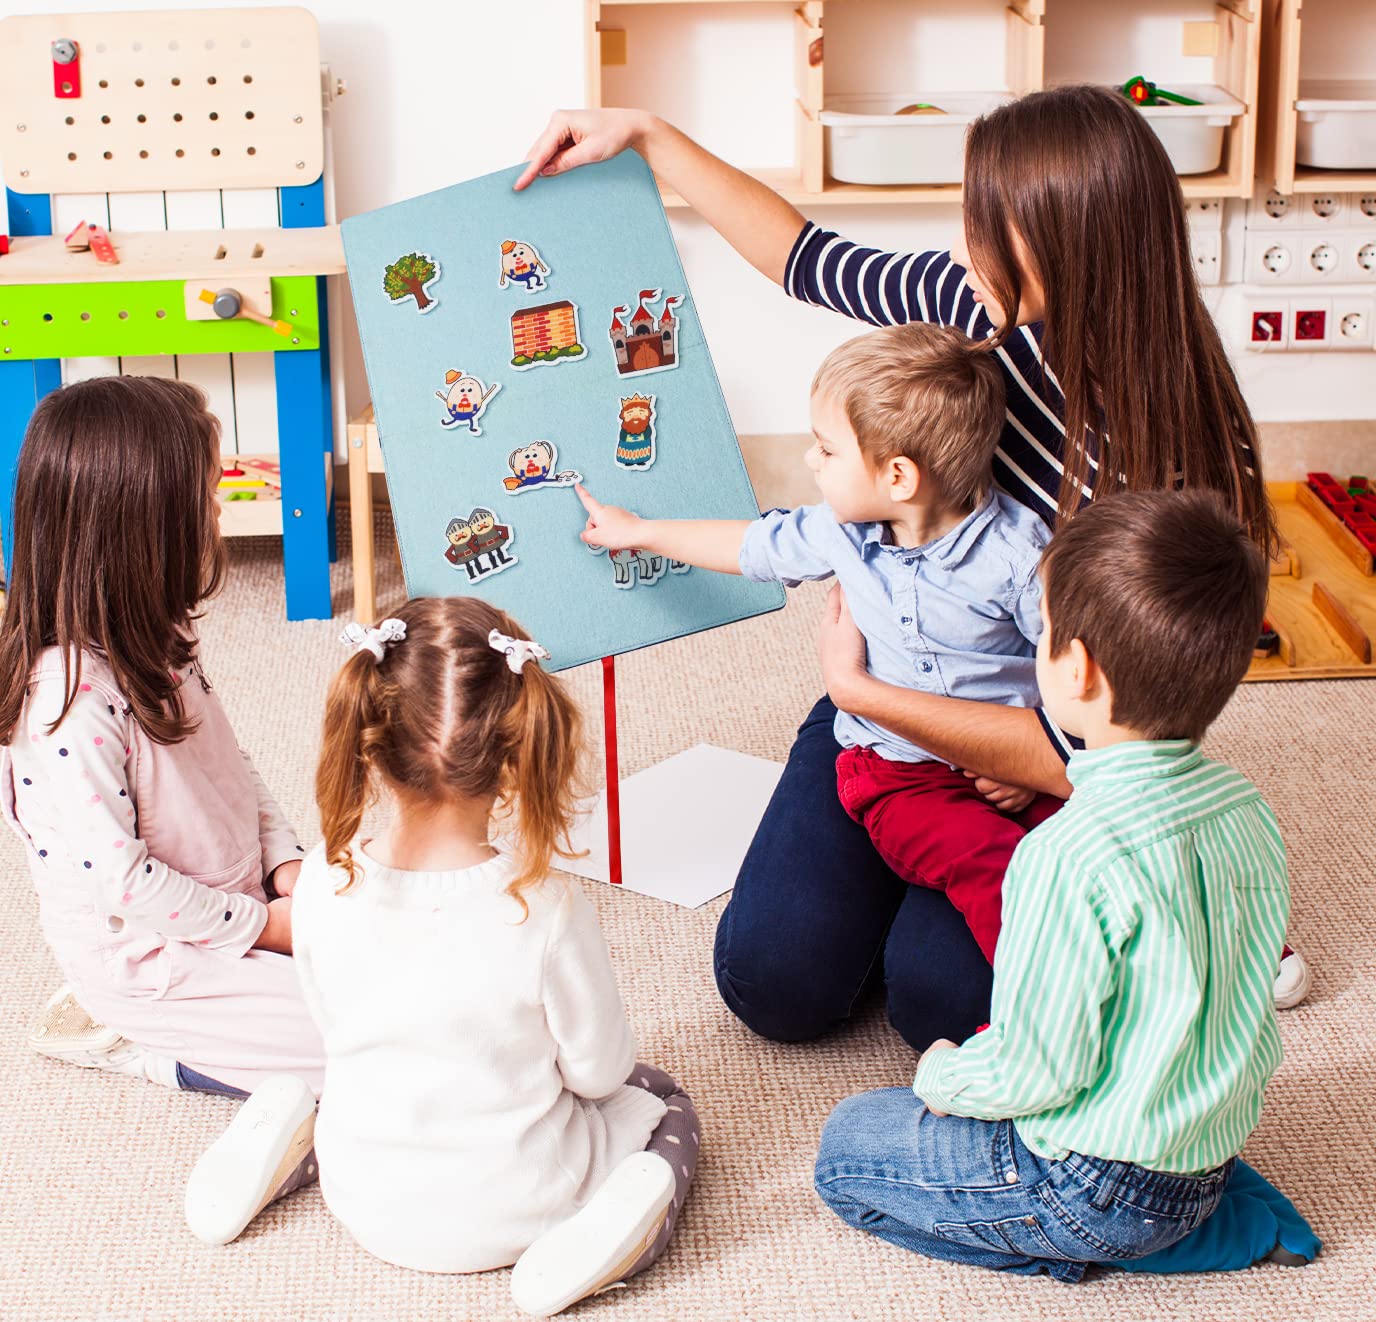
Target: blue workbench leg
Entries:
(322, 301)
(305, 432)
(22, 384)
(302, 419)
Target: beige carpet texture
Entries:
(92, 1166)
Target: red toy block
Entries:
(1320, 480)
(4, 244)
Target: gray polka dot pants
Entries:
(676, 1140)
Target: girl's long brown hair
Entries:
(443, 716)
(116, 543)
(1080, 178)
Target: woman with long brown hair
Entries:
(1074, 265)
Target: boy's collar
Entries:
(1137, 759)
(949, 547)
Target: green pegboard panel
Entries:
(144, 318)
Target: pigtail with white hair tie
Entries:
(516, 650)
(375, 641)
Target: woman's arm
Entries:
(1006, 744)
(749, 215)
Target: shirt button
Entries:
(907, 619)
(926, 665)
(1011, 1177)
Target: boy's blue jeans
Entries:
(971, 1191)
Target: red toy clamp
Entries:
(66, 69)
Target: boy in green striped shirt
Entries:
(1132, 1031)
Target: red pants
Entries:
(932, 827)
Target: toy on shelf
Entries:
(242, 94)
(1143, 93)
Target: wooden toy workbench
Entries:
(140, 103)
(1323, 594)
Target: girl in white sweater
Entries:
(482, 1101)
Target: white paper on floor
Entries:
(685, 825)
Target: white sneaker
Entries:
(1293, 981)
(245, 1168)
(599, 1244)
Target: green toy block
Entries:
(144, 318)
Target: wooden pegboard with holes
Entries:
(208, 98)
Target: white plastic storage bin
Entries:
(1337, 125)
(1193, 135)
(868, 143)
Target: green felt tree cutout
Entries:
(407, 277)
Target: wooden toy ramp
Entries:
(1323, 595)
(207, 98)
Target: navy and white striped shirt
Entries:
(892, 288)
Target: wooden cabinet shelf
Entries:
(1302, 44)
(844, 48)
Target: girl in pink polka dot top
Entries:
(155, 848)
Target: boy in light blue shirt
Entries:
(940, 573)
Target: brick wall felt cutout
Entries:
(603, 234)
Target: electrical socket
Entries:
(1320, 257)
(1353, 319)
(1365, 260)
(1311, 323)
(1270, 258)
(1326, 209)
(1204, 213)
(1267, 325)
(1273, 211)
(1366, 205)
(1207, 249)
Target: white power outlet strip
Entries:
(1298, 257)
(1309, 323)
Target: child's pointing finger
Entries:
(589, 504)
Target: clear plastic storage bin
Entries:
(1337, 124)
(868, 143)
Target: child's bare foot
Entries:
(264, 1154)
(599, 1244)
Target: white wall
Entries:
(443, 90)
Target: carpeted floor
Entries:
(92, 1166)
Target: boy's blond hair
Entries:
(928, 393)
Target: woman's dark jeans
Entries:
(817, 917)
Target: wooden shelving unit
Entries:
(1283, 66)
(1029, 28)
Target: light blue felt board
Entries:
(603, 233)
